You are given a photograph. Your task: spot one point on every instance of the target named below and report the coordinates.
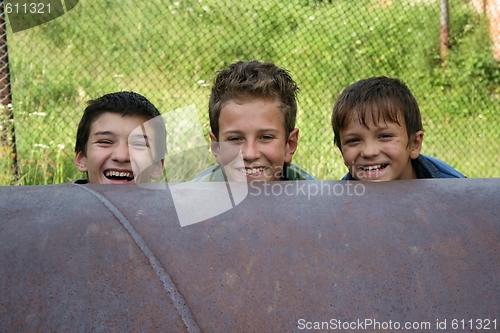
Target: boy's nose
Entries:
(121, 153)
(370, 149)
(250, 151)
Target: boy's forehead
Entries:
(373, 116)
(119, 115)
(257, 111)
(113, 122)
(258, 107)
(112, 117)
(246, 98)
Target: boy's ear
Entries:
(291, 145)
(416, 144)
(214, 147)
(157, 169)
(80, 161)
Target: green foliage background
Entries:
(169, 51)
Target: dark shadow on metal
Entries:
(291, 253)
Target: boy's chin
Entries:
(372, 176)
(112, 181)
(372, 180)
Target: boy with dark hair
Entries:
(378, 129)
(121, 139)
(252, 111)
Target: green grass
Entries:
(170, 50)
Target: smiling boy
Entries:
(121, 139)
(252, 111)
(378, 129)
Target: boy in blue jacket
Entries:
(378, 129)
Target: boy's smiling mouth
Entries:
(372, 168)
(252, 171)
(121, 176)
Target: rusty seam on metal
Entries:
(176, 297)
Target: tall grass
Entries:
(170, 50)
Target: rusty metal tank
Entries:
(420, 255)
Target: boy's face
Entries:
(379, 152)
(119, 151)
(252, 142)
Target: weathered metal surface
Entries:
(115, 259)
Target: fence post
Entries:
(7, 128)
(493, 14)
(444, 43)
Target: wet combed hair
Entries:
(253, 79)
(125, 103)
(382, 99)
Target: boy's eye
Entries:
(386, 136)
(350, 141)
(267, 137)
(139, 144)
(234, 138)
(104, 142)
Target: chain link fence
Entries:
(169, 52)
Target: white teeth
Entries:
(118, 174)
(252, 171)
(372, 167)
